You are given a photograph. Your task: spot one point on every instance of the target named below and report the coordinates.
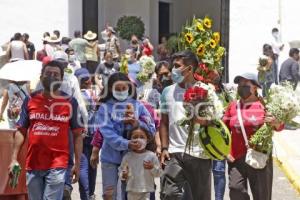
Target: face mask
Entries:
(244, 91)
(276, 34)
(177, 76)
(166, 81)
(142, 142)
(51, 84)
(72, 58)
(120, 96)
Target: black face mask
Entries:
(166, 83)
(51, 84)
(244, 91)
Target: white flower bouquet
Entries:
(284, 104)
(148, 67)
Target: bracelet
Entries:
(164, 149)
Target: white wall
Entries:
(34, 17)
(74, 16)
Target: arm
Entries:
(22, 126)
(8, 51)
(158, 143)
(156, 171)
(4, 103)
(26, 55)
(108, 130)
(295, 71)
(33, 52)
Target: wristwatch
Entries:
(164, 148)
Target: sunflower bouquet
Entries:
(283, 103)
(200, 38)
(124, 64)
(148, 67)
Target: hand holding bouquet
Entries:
(283, 106)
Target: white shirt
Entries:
(139, 178)
(172, 105)
(17, 50)
(276, 45)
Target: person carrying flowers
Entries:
(186, 173)
(252, 117)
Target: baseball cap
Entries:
(82, 73)
(249, 76)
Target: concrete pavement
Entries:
(287, 155)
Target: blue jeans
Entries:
(68, 178)
(219, 178)
(110, 180)
(45, 184)
(87, 179)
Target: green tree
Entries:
(130, 25)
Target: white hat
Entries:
(52, 39)
(111, 29)
(90, 35)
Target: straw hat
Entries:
(52, 39)
(90, 35)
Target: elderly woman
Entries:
(253, 116)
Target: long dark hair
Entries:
(107, 92)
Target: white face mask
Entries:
(275, 35)
(120, 96)
(143, 143)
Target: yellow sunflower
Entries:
(201, 50)
(189, 37)
(220, 51)
(200, 26)
(207, 22)
(212, 43)
(216, 36)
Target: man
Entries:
(30, 46)
(277, 47)
(46, 117)
(79, 44)
(113, 44)
(289, 70)
(187, 174)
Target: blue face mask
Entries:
(177, 76)
(120, 96)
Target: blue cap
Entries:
(249, 76)
(82, 73)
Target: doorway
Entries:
(164, 19)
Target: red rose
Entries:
(198, 77)
(203, 67)
(200, 93)
(189, 95)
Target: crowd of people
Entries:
(83, 111)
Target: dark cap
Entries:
(249, 76)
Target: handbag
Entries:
(254, 159)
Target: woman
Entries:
(14, 96)
(118, 113)
(104, 70)
(254, 116)
(92, 52)
(17, 49)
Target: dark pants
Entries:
(87, 180)
(260, 181)
(186, 178)
(218, 169)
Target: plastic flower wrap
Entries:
(284, 104)
(199, 38)
(200, 101)
(148, 67)
(124, 64)
(264, 65)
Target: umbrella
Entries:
(23, 70)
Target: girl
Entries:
(119, 112)
(139, 167)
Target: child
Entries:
(140, 167)
(119, 112)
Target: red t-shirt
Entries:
(253, 117)
(147, 50)
(47, 122)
